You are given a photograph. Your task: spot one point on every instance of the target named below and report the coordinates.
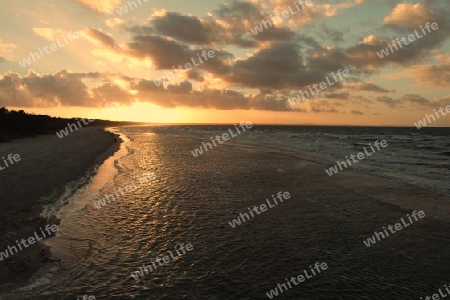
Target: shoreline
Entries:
(48, 165)
(328, 219)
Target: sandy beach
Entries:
(39, 178)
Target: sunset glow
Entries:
(77, 55)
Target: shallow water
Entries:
(191, 200)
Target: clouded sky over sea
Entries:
(252, 77)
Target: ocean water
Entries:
(417, 157)
(191, 200)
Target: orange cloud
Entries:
(101, 6)
(50, 34)
(410, 15)
(437, 75)
(5, 51)
(114, 22)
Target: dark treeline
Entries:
(19, 124)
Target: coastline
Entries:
(48, 164)
(327, 220)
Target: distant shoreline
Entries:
(19, 124)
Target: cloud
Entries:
(60, 89)
(410, 15)
(100, 38)
(168, 54)
(403, 20)
(321, 107)
(357, 112)
(327, 60)
(392, 103)
(50, 34)
(416, 100)
(45, 22)
(167, 39)
(107, 47)
(364, 54)
(114, 23)
(196, 75)
(276, 66)
(278, 62)
(319, 9)
(100, 6)
(71, 89)
(420, 102)
(182, 95)
(189, 29)
(442, 101)
(231, 24)
(337, 95)
(368, 87)
(6, 51)
(327, 33)
(437, 74)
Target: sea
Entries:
(192, 200)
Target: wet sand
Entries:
(47, 164)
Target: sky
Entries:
(69, 58)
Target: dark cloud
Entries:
(196, 75)
(182, 95)
(167, 54)
(164, 53)
(318, 109)
(437, 74)
(105, 39)
(416, 99)
(197, 31)
(275, 67)
(68, 89)
(184, 87)
(281, 62)
(189, 29)
(60, 89)
(337, 95)
(393, 103)
(369, 87)
(357, 112)
(327, 60)
(109, 92)
(230, 25)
